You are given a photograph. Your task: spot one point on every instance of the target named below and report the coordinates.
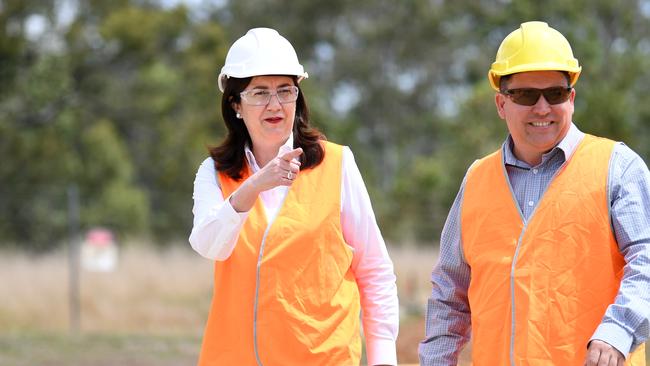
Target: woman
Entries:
(288, 221)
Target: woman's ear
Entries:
(236, 107)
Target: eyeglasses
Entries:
(287, 94)
(530, 96)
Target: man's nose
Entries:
(542, 106)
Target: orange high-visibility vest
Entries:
(539, 289)
(287, 294)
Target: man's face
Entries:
(535, 129)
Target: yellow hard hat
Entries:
(533, 47)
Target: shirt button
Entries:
(534, 171)
(531, 203)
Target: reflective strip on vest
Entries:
(540, 288)
(287, 294)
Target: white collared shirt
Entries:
(217, 226)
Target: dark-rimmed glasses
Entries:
(530, 96)
(285, 94)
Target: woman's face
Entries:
(269, 124)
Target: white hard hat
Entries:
(261, 51)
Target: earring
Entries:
(238, 115)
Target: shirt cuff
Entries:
(231, 215)
(381, 352)
(614, 335)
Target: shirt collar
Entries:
(250, 157)
(567, 146)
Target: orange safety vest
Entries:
(287, 294)
(539, 288)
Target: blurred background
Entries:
(107, 107)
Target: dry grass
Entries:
(150, 311)
(150, 291)
(413, 267)
(159, 295)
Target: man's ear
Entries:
(500, 101)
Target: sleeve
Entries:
(371, 265)
(625, 324)
(216, 224)
(448, 321)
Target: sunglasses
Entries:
(530, 96)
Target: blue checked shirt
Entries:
(625, 324)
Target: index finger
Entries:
(291, 154)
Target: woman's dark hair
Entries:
(229, 155)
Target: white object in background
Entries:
(99, 251)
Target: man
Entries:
(545, 255)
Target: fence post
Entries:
(73, 258)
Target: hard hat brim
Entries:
(495, 76)
(223, 78)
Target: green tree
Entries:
(119, 102)
(122, 100)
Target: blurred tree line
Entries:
(119, 99)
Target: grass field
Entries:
(149, 311)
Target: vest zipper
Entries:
(512, 295)
(257, 289)
(257, 279)
(521, 236)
